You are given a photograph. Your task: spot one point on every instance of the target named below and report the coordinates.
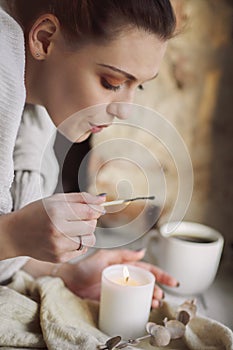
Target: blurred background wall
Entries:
(194, 92)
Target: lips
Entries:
(97, 128)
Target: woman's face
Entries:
(67, 81)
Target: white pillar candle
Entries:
(125, 302)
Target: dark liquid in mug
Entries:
(194, 239)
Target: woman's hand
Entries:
(53, 229)
(84, 277)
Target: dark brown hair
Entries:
(99, 19)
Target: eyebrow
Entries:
(126, 74)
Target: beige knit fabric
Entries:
(43, 313)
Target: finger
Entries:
(158, 293)
(132, 257)
(77, 228)
(64, 244)
(80, 211)
(126, 255)
(161, 276)
(82, 197)
(155, 304)
(87, 240)
(62, 249)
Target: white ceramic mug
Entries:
(190, 252)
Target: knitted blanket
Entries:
(44, 314)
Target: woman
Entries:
(67, 56)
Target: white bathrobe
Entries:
(28, 167)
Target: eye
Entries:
(109, 86)
(141, 87)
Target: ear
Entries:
(41, 36)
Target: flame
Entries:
(126, 273)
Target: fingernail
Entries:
(102, 195)
(103, 212)
(177, 284)
(140, 250)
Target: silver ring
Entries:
(80, 244)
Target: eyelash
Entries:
(108, 86)
(111, 87)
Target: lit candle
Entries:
(125, 279)
(125, 302)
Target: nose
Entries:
(121, 110)
(122, 107)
